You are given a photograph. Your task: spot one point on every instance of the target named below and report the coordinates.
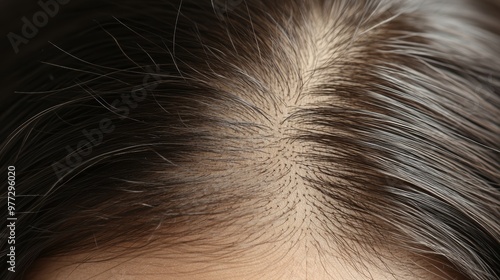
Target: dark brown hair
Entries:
(158, 123)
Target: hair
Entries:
(143, 125)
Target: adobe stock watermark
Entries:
(222, 7)
(31, 27)
(95, 137)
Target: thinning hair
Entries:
(161, 123)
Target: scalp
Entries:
(363, 131)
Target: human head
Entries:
(363, 134)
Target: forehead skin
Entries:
(300, 265)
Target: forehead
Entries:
(266, 262)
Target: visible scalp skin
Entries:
(358, 130)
